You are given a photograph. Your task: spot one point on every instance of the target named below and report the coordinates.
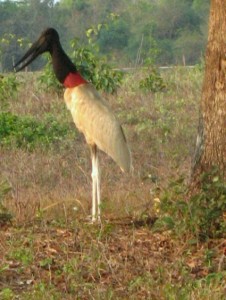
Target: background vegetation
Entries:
(174, 32)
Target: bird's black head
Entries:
(45, 43)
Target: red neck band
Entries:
(73, 80)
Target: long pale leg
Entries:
(95, 185)
(93, 174)
(98, 188)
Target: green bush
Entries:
(95, 69)
(8, 89)
(5, 188)
(201, 216)
(153, 82)
(28, 132)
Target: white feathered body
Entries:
(94, 118)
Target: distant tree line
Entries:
(145, 31)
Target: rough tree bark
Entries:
(211, 139)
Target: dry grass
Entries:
(50, 252)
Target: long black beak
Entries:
(35, 50)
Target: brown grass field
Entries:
(50, 251)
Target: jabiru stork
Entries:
(90, 112)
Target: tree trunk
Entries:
(211, 139)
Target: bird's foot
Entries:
(93, 220)
(96, 220)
